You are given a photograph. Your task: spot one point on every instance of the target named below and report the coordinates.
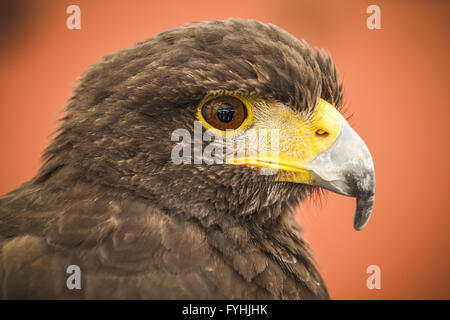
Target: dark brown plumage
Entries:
(109, 199)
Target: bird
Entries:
(124, 193)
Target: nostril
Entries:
(322, 133)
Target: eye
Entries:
(224, 113)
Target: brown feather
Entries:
(109, 199)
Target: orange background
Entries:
(396, 84)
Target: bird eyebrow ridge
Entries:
(223, 92)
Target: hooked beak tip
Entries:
(364, 208)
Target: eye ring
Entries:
(224, 113)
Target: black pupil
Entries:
(225, 112)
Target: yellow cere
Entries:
(328, 121)
(324, 128)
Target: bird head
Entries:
(216, 88)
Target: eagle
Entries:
(141, 193)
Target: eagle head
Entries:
(216, 119)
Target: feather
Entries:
(109, 200)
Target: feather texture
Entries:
(109, 199)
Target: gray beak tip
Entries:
(364, 207)
(358, 227)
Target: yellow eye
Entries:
(224, 113)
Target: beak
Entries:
(346, 167)
(331, 156)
